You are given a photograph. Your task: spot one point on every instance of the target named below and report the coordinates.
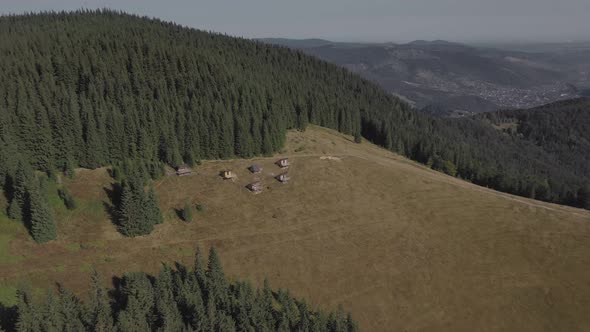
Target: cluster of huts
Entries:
(255, 187)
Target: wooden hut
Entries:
(283, 178)
(283, 163)
(255, 187)
(255, 169)
(183, 170)
(227, 175)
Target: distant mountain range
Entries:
(452, 79)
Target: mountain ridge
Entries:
(424, 72)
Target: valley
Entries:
(458, 80)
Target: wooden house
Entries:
(255, 187)
(283, 178)
(227, 175)
(255, 169)
(283, 163)
(183, 170)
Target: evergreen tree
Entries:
(187, 212)
(583, 195)
(42, 225)
(52, 318)
(19, 205)
(199, 269)
(99, 315)
(153, 208)
(134, 212)
(28, 315)
(174, 301)
(216, 282)
(71, 311)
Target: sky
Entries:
(358, 20)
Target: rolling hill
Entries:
(399, 245)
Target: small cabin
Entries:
(183, 170)
(283, 163)
(255, 169)
(283, 178)
(227, 175)
(255, 187)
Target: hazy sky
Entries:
(358, 20)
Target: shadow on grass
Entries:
(8, 317)
(112, 206)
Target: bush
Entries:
(187, 213)
(68, 199)
(201, 207)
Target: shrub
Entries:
(187, 213)
(201, 207)
(68, 199)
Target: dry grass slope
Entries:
(402, 247)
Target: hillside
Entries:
(399, 245)
(124, 89)
(448, 77)
(562, 129)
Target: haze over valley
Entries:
(453, 79)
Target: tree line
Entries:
(177, 299)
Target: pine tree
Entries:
(174, 301)
(52, 319)
(216, 282)
(42, 225)
(71, 311)
(28, 317)
(199, 269)
(15, 210)
(187, 212)
(134, 213)
(153, 208)
(99, 318)
(583, 197)
(18, 208)
(168, 315)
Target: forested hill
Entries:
(562, 129)
(95, 88)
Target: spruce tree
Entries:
(42, 225)
(216, 283)
(153, 208)
(28, 316)
(199, 269)
(174, 301)
(52, 319)
(187, 212)
(99, 315)
(134, 218)
(71, 311)
(15, 210)
(18, 208)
